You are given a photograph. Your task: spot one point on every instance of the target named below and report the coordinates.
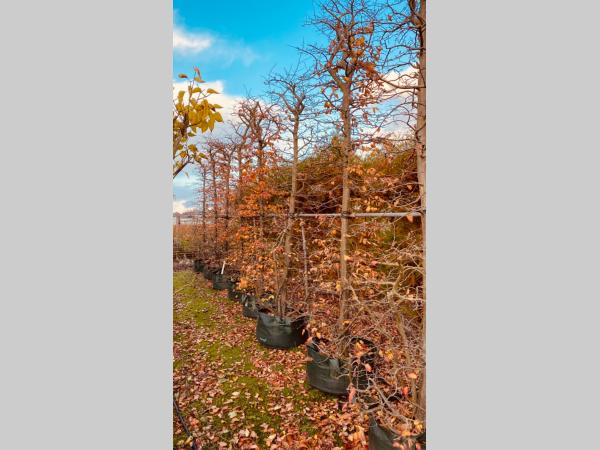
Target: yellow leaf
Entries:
(211, 91)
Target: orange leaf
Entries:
(351, 394)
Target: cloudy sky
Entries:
(235, 44)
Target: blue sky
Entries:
(235, 44)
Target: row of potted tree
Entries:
(313, 211)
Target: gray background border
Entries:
(512, 225)
(85, 181)
(86, 241)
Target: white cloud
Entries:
(212, 47)
(398, 108)
(185, 42)
(179, 206)
(228, 52)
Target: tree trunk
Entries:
(204, 206)
(290, 223)
(215, 210)
(346, 152)
(227, 175)
(419, 19)
(261, 219)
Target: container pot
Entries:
(249, 306)
(326, 374)
(209, 272)
(233, 293)
(198, 265)
(220, 281)
(331, 375)
(381, 438)
(280, 332)
(359, 375)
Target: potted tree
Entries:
(283, 330)
(382, 438)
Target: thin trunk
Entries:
(346, 151)
(261, 208)
(290, 222)
(239, 189)
(215, 209)
(421, 150)
(204, 206)
(227, 175)
(308, 304)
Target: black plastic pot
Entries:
(220, 281)
(360, 376)
(280, 332)
(198, 265)
(380, 438)
(326, 374)
(249, 306)
(233, 293)
(209, 272)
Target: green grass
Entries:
(226, 355)
(197, 301)
(200, 305)
(255, 406)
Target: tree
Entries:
(348, 63)
(289, 93)
(263, 130)
(405, 34)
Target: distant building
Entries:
(191, 217)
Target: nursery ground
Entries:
(236, 394)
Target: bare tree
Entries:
(345, 68)
(289, 92)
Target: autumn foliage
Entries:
(318, 196)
